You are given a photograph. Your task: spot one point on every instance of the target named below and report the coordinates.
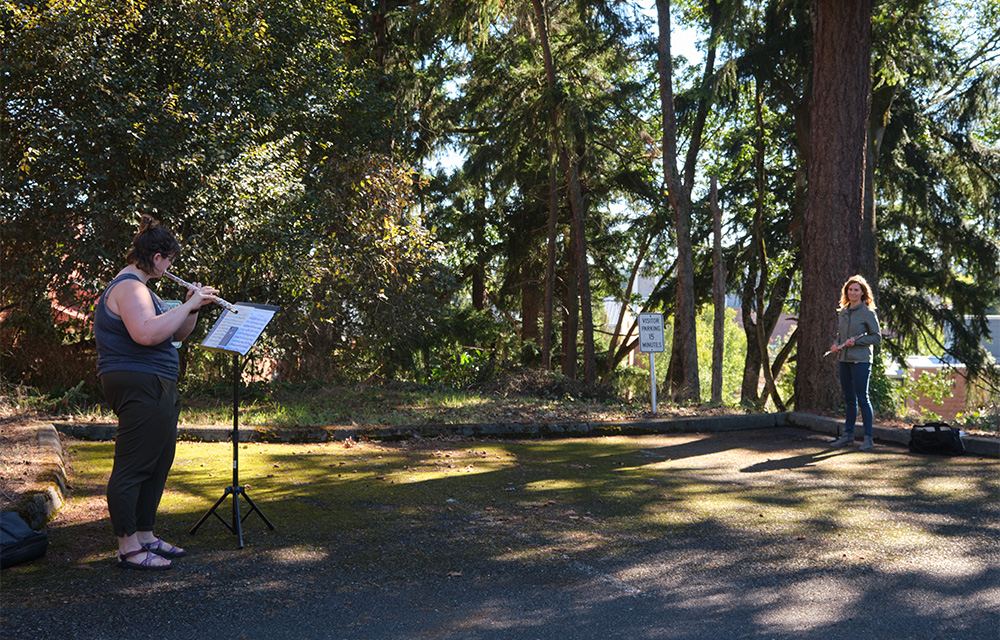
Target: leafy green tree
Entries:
(935, 147)
(527, 109)
(735, 346)
(683, 380)
(255, 131)
(760, 154)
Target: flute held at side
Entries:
(844, 343)
(228, 306)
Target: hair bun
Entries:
(147, 222)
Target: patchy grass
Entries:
(538, 501)
(395, 406)
(530, 397)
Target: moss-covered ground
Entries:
(746, 516)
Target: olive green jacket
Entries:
(852, 323)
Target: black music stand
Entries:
(235, 333)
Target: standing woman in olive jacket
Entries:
(857, 335)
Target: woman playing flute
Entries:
(138, 369)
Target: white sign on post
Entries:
(651, 332)
(651, 341)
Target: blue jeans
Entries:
(854, 382)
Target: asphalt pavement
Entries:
(897, 559)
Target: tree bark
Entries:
(682, 379)
(531, 302)
(750, 389)
(550, 258)
(763, 338)
(718, 294)
(571, 166)
(571, 308)
(550, 264)
(835, 202)
(583, 271)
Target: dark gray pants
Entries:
(147, 407)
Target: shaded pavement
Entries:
(740, 534)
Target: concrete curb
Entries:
(292, 435)
(41, 504)
(45, 504)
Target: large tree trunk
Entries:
(835, 201)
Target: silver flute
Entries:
(844, 343)
(228, 306)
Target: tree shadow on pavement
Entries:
(680, 536)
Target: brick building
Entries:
(957, 401)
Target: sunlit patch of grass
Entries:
(452, 401)
(943, 487)
(216, 413)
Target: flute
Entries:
(228, 306)
(841, 345)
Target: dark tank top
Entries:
(117, 351)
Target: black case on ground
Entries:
(19, 542)
(937, 438)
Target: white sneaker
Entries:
(841, 441)
(867, 444)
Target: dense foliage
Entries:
(293, 149)
(258, 132)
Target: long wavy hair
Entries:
(152, 239)
(866, 292)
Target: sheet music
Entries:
(237, 332)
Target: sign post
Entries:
(651, 342)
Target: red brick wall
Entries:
(950, 406)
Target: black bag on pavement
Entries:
(19, 542)
(937, 438)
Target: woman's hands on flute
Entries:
(837, 347)
(198, 288)
(201, 296)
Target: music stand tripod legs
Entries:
(236, 490)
